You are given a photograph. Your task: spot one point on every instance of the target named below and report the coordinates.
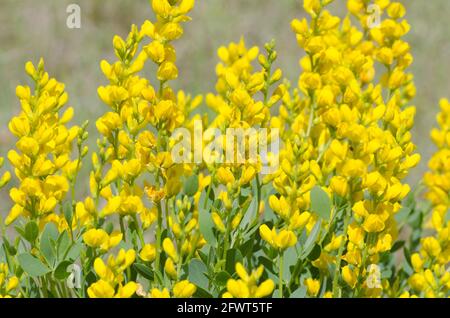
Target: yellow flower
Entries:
(312, 286)
(373, 223)
(156, 293)
(101, 289)
(169, 268)
(349, 276)
(95, 238)
(170, 250)
(225, 176)
(282, 240)
(148, 252)
(184, 289)
(247, 286)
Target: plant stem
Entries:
(280, 274)
(158, 237)
(139, 230)
(122, 228)
(337, 271)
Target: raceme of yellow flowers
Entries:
(333, 217)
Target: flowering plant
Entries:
(324, 213)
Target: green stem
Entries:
(158, 237)
(122, 228)
(139, 230)
(337, 271)
(280, 275)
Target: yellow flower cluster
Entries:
(431, 277)
(8, 284)
(42, 162)
(325, 222)
(247, 284)
(349, 136)
(111, 282)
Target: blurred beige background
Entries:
(31, 29)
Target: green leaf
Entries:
(197, 273)
(233, 256)
(31, 231)
(32, 266)
(144, 271)
(74, 251)
(222, 278)
(320, 203)
(20, 230)
(190, 187)
(63, 244)
(206, 226)
(290, 258)
(310, 242)
(397, 245)
(299, 293)
(109, 228)
(315, 253)
(61, 272)
(68, 212)
(48, 243)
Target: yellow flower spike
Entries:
(312, 286)
(184, 289)
(170, 250)
(148, 253)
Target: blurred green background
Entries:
(31, 29)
